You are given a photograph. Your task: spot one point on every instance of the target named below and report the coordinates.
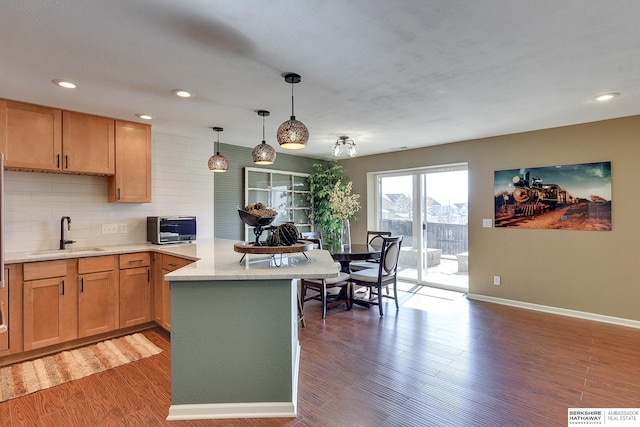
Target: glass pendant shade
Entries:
(292, 134)
(337, 150)
(218, 162)
(263, 154)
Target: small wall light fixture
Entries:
(218, 163)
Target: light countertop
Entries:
(215, 260)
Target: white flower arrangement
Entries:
(344, 205)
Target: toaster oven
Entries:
(162, 230)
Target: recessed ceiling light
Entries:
(64, 83)
(144, 116)
(182, 93)
(606, 96)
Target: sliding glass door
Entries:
(429, 208)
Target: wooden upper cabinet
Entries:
(31, 136)
(132, 180)
(88, 144)
(39, 138)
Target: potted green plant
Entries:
(321, 183)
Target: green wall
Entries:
(232, 341)
(229, 186)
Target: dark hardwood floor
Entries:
(436, 362)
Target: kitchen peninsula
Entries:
(234, 336)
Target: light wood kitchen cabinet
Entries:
(30, 136)
(88, 144)
(11, 340)
(162, 292)
(35, 137)
(50, 303)
(97, 298)
(132, 180)
(135, 289)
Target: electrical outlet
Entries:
(487, 223)
(109, 228)
(123, 228)
(496, 280)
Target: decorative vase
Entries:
(345, 237)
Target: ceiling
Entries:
(391, 75)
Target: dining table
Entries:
(355, 252)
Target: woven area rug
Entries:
(28, 377)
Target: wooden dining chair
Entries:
(374, 238)
(312, 235)
(321, 287)
(385, 275)
(306, 235)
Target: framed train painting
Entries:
(566, 197)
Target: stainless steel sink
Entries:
(68, 251)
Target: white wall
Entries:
(35, 202)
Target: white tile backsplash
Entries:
(181, 184)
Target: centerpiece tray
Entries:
(251, 248)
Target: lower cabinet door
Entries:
(96, 303)
(50, 312)
(135, 294)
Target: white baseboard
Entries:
(208, 411)
(556, 310)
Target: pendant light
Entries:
(218, 163)
(263, 154)
(292, 134)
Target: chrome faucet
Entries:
(63, 242)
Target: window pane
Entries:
(300, 183)
(258, 196)
(301, 216)
(281, 199)
(258, 180)
(301, 200)
(281, 182)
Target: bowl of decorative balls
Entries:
(258, 216)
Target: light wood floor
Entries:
(434, 363)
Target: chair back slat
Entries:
(306, 235)
(317, 243)
(390, 254)
(313, 236)
(374, 238)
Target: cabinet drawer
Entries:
(173, 263)
(96, 264)
(142, 259)
(44, 269)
